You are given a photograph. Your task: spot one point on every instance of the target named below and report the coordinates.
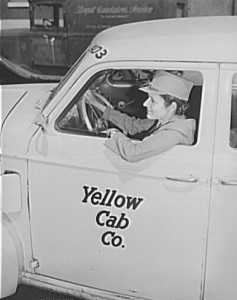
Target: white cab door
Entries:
(138, 229)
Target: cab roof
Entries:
(197, 39)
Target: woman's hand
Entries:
(112, 131)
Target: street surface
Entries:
(31, 293)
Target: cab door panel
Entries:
(156, 243)
(138, 229)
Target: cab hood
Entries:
(19, 112)
(9, 98)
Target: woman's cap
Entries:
(166, 83)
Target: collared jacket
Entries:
(179, 131)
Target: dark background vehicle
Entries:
(60, 30)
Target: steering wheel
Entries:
(92, 115)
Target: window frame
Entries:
(54, 6)
(97, 74)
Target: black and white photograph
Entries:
(118, 149)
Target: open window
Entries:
(120, 90)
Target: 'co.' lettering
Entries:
(109, 238)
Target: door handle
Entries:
(183, 179)
(229, 181)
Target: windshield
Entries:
(65, 78)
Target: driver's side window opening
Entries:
(120, 89)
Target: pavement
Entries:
(25, 292)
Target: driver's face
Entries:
(156, 108)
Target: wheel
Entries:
(91, 115)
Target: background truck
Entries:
(61, 30)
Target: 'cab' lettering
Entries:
(104, 218)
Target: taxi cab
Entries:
(79, 219)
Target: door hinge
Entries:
(42, 121)
(34, 263)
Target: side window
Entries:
(47, 16)
(120, 89)
(233, 119)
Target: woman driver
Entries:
(166, 124)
